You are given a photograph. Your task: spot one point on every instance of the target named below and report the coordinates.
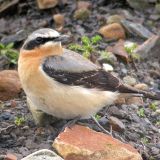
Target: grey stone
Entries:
(114, 19)
(103, 120)
(138, 5)
(114, 111)
(157, 7)
(80, 30)
(30, 144)
(126, 14)
(155, 150)
(137, 29)
(42, 155)
(15, 38)
(117, 124)
(6, 5)
(129, 80)
(4, 63)
(2, 25)
(24, 151)
(108, 57)
(150, 48)
(155, 17)
(124, 71)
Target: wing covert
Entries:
(72, 69)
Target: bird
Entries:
(64, 84)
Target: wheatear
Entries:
(61, 82)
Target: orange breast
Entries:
(29, 71)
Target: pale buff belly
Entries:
(68, 102)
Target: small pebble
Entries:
(107, 67)
(129, 80)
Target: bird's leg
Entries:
(104, 130)
(71, 122)
(40, 118)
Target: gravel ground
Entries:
(142, 130)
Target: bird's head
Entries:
(44, 42)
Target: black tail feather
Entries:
(148, 94)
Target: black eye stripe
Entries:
(37, 42)
(42, 40)
(39, 39)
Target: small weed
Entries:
(76, 47)
(8, 51)
(105, 55)
(145, 140)
(96, 39)
(130, 48)
(98, 117)
(153, 106)
(141, 113)
(88, 45)
(157, 123)
(152, 158)
(19, 121)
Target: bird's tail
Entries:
(128, 91)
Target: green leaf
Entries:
(86, 54)
(98, 117)
(85, 40)
(13, 61)
(19, 121)
(10, 46)
(2, 46)
(9, 52)
(135, 56)
(88, 48)
(153, 106)
(96, 39)
(130, 47)
(141, 113)
(157, 123)
(145, 140)
(104, 54)
(75, 47)
(3, 52)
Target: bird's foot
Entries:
(71, 122)
(101, 127)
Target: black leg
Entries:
(71, 122)
(104, 130)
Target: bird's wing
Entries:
(70, 61)
(72, 69)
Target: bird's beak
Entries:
(63, 38)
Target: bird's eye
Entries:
(39, 39)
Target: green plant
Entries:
(141, 113)
(88, 45)
(153, 106)
(145, 140)
(152, 158)
(105, 55)
(130, 49)
(8, 51)
(19, 121)
(98, 117)
(157, 123)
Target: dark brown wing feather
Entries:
(99, 79)
(72, 69)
